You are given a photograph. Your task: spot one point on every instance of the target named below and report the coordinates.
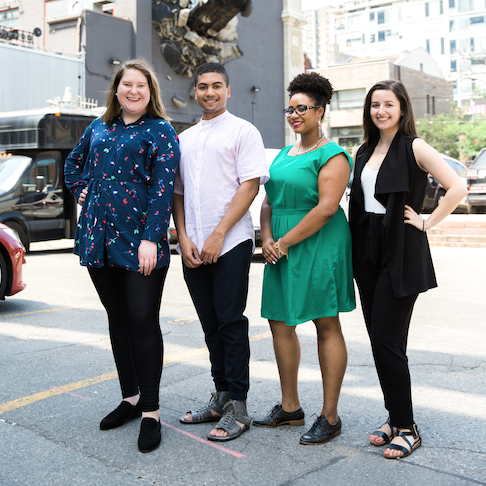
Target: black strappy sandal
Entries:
(386, 438)
(411, 447)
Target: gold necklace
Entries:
(312, 148)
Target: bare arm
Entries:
(332, 181)
(236, 210)
(430, 161)
(190, 255)
(268, 249)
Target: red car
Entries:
(12, 257)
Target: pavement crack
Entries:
(330, 462)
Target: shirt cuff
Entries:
(151, 235)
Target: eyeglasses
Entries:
(299, 109)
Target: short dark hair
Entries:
(407, 121)
(316, 87)
(212, 67)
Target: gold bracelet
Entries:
(280, 253)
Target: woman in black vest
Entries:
(391, 256)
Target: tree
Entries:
(457, 134)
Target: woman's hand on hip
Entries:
(82, 196)
(411, 217)
(147, 257)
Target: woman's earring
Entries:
(320, 129)
(295, 133)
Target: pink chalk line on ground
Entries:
(69, 393)
(206, 442)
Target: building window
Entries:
(381, 36)
(10, 18)
(454, 87)
(381, 17)
(349, 99)
(453, 66)
(427, 45)
(452, 3)
(426, 9)
(478, 62)
(473, 84)
(372, 16)
(452, 25)
(465, 5)
(442, 46)
(453, 46)
(441, 7)
(471, 44)
(398, 73)
(372, 38)
(476, 20)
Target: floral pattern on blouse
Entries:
(130, 172)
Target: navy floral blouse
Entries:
(130, 172)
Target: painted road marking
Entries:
(4, 316)
(22, 402)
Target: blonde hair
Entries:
(155, 106)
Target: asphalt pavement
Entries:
(58, 380)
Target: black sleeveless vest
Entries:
(400, 181)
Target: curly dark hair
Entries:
(316, 87)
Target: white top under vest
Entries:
(368, 183)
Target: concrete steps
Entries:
(460, 230)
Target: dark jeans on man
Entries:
(219, 292)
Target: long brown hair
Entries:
(155, 106)
(407, 121)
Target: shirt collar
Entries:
(216, 119)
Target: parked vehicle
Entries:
(12, 257)
(256, 205)
(34, 201)
(434, 191)
(476, 180)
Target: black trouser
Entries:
(219, 293)
(132, 302)
(387, 320)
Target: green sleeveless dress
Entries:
(317, 278)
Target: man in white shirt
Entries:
(222, 165)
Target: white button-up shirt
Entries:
(217, 155)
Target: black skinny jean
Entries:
(219, 293)
(132, 302)
(387, 320)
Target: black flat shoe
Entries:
(150, 436)
(278, 416)
(321, 432)
(125, 411)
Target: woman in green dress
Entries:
(306, 244)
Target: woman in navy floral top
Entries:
(122, 172)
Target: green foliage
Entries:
(457, 134)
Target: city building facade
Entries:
(453, 32)
(430, 93)
(261, 48)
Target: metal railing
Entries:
(16, 35)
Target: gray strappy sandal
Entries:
(217, 402)
(233, 410)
